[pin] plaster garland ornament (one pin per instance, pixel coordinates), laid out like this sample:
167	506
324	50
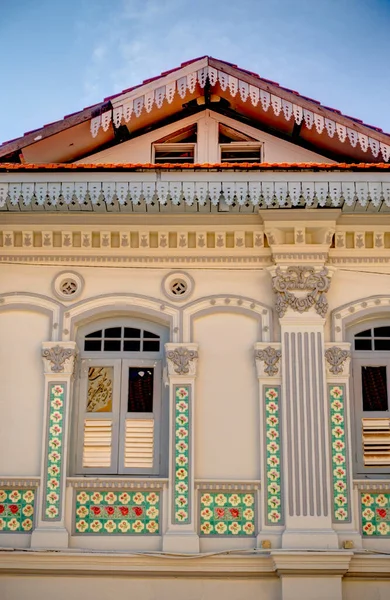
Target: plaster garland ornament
182	358
57	356
336	358
301	279
271	357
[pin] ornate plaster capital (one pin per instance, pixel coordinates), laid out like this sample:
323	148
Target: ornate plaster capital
337	359
267	359
310	285
182	359
59	357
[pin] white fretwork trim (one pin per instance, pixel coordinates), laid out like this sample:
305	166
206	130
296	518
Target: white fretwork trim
265	193
133	107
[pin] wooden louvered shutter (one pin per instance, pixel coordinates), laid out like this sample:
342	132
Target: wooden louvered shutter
140	417
376	441
99	416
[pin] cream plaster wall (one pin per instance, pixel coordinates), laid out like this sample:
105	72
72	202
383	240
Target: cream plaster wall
360	589
139	150
226	428
21	395
106	588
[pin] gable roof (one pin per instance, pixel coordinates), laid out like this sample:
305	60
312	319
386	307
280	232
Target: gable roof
195	85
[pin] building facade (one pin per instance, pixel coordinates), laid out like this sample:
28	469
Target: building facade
195	337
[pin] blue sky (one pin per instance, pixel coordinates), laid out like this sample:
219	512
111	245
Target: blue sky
61	56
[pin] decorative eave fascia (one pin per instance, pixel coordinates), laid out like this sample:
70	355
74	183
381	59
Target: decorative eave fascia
259	93
249	87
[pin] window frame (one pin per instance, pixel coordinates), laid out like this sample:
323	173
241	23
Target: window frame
366	358
120	360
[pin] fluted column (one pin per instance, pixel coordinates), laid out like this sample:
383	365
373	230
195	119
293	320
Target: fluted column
58	362
181	535
301	305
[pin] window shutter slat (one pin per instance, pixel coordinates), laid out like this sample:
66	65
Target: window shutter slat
97	447
376	441
139	443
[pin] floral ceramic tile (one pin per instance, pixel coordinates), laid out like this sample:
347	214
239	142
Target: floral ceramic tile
227	513
16	510
341	509
117	512
375	511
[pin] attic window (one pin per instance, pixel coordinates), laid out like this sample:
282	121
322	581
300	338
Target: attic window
177	147
237	147
174	153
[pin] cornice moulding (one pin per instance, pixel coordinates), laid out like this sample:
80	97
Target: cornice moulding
87	564
267	564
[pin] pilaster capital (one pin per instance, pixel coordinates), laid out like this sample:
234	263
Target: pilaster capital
267	359
301	288
58	357
182	359
337	359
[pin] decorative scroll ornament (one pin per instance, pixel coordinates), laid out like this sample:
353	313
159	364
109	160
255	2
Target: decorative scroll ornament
182	359
270	356
300	279
336	358
57	356
249	93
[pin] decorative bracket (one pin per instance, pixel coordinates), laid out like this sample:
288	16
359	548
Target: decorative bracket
267	360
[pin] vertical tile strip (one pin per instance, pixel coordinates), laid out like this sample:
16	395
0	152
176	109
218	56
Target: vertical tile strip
273	494
340	492
51	510
181	512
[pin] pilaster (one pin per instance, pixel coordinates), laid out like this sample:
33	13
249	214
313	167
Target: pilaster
302	305
58	363
300	280
345	521
269	374
181	535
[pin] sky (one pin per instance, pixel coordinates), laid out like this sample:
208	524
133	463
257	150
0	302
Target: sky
60	56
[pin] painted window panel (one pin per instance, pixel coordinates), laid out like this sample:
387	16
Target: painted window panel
100	387
374	388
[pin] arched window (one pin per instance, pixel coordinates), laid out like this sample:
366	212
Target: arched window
371	389
120	398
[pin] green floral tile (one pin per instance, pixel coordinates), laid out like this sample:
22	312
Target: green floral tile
375	513
341	509
227	513
53	474
182	449
273	494
118	512
16	510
